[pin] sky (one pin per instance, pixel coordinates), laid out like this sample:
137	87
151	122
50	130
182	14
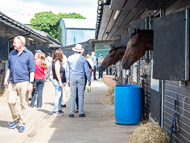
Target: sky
86	8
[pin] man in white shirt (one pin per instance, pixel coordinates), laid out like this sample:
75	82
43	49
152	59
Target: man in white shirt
48	61
64	62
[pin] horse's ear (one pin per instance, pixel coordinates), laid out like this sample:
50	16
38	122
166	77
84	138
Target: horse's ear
111	46
134	30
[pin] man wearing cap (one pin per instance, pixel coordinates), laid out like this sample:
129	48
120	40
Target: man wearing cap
36	53
93	57
100	60
20	72
77	68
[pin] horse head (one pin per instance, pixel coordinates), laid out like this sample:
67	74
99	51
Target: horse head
140	41
114	54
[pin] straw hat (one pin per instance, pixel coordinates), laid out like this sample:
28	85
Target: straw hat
78	48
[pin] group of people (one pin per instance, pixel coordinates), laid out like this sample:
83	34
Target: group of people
27	73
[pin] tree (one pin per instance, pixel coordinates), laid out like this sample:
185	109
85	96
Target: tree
49	22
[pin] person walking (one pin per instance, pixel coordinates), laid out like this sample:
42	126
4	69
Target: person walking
77	68
20	72
40	71
100	60
58	80
93	57
64	63
48	62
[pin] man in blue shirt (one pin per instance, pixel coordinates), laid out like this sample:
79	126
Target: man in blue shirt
77	68
20	72
93	57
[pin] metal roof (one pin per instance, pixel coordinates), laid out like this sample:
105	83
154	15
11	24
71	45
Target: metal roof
79	23
114	16
19	26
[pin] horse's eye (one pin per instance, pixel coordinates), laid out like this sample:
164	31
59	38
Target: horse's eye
110	50
133	45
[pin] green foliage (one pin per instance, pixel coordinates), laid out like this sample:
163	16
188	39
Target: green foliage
59	34
71	15
49	22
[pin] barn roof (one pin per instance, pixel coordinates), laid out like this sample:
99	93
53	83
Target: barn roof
79	23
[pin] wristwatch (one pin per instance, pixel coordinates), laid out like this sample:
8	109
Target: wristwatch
31	82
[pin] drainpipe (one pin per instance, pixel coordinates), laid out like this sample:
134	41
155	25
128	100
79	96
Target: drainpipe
162	105
162	102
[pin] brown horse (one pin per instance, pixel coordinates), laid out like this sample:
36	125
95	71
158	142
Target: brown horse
114	54
140	41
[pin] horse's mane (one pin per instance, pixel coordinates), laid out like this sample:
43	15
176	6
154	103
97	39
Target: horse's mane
141	32
122	46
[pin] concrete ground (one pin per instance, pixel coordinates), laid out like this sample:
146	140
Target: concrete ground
42	127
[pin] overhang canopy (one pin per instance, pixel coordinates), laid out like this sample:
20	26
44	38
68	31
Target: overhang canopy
114	19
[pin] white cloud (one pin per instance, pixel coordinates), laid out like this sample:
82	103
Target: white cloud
19	6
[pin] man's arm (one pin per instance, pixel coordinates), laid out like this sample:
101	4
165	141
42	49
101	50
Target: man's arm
87	71
6	77
31	68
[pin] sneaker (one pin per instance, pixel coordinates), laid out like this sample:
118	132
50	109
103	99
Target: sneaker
13	125
63	105
82	115
57	113
21	129
61	112
71	115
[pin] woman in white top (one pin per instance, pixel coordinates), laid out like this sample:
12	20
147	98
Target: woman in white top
89	60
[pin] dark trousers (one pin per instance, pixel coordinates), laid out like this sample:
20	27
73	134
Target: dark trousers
38	90
100	72
94	71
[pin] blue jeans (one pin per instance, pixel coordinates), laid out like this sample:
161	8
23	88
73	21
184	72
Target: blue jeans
77	82
38	90
58	95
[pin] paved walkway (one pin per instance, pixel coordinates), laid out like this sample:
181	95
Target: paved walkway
42	127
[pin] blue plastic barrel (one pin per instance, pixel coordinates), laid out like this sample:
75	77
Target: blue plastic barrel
128	104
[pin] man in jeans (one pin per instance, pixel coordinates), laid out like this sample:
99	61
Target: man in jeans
20	72
93	57
77	68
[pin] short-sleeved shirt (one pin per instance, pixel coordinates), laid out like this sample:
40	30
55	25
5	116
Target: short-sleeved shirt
99	59
39	74
93	59
21	66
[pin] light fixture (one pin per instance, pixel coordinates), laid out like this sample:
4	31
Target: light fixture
30	39
106	35
116	14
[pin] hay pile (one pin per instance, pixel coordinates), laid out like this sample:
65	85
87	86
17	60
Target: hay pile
149	133
110	93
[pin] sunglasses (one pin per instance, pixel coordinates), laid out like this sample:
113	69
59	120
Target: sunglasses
20	39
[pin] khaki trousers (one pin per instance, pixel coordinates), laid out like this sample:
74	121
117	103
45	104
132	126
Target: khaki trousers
16	90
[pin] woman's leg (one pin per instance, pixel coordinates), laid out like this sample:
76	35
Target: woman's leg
58	91
60	99
40	91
